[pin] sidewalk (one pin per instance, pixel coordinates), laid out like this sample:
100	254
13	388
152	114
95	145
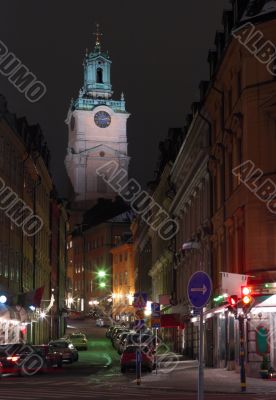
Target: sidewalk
184	378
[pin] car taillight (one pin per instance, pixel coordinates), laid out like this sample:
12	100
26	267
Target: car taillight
14	358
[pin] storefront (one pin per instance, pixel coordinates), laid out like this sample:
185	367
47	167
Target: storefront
14	323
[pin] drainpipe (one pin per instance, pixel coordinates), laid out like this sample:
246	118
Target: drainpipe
22	234
211	210
34	239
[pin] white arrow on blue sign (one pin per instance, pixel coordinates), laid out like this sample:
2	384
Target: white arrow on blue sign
199	289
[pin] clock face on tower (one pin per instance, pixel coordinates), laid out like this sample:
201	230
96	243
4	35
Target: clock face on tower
102	119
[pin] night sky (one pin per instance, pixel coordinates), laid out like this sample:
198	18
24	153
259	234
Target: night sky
158	52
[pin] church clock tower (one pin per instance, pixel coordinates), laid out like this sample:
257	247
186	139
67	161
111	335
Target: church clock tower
97	127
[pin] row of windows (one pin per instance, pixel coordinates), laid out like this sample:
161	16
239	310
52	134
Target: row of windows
95	244
78	285
92	264
120	257
121	278
78	269
10	263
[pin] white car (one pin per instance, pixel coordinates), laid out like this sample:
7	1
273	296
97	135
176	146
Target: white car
100	322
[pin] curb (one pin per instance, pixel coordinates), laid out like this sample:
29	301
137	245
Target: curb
172	389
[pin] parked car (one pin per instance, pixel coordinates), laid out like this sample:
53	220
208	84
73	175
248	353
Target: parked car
116	333
117	330
21	359
146	340
123	340
110	330
92	314
128	358
100	322
79	340
64	346
79	315
52	357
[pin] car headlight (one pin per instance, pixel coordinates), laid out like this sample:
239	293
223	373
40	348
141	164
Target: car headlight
70	346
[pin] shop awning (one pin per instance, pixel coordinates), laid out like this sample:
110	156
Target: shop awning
265	303
171	321
16	313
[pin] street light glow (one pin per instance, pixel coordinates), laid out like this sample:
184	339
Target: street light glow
102	284
3	299
101	274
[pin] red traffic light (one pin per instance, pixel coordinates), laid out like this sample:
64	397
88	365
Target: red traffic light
233	300
246	290
246	295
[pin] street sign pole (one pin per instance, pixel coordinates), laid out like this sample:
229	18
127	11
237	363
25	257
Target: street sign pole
155	351
200	391
199	291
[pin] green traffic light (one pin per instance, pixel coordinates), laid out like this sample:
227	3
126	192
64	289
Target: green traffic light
101	274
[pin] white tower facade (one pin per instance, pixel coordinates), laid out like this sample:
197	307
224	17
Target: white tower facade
97	128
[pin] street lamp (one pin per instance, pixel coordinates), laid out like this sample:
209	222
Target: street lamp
3	299
43	314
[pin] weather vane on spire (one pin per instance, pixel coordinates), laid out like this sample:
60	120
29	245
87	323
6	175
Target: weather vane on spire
98	35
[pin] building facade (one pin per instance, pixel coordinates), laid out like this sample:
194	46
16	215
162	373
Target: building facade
103	227
25	264
238	104
123	281
191	206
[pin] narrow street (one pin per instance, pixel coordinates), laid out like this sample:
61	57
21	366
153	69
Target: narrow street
97	375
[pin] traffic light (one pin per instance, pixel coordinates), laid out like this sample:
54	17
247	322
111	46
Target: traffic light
102	278
101	274
246	297
233	300
233	303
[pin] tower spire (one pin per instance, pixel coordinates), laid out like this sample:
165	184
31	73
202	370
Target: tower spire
98	35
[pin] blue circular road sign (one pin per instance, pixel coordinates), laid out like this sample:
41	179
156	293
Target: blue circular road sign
199	289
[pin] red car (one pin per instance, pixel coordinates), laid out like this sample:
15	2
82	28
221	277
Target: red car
128	358
52	357
21	359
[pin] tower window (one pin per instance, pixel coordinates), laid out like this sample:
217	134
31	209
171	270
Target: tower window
99	75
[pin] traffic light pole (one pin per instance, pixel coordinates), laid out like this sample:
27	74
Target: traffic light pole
242	354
